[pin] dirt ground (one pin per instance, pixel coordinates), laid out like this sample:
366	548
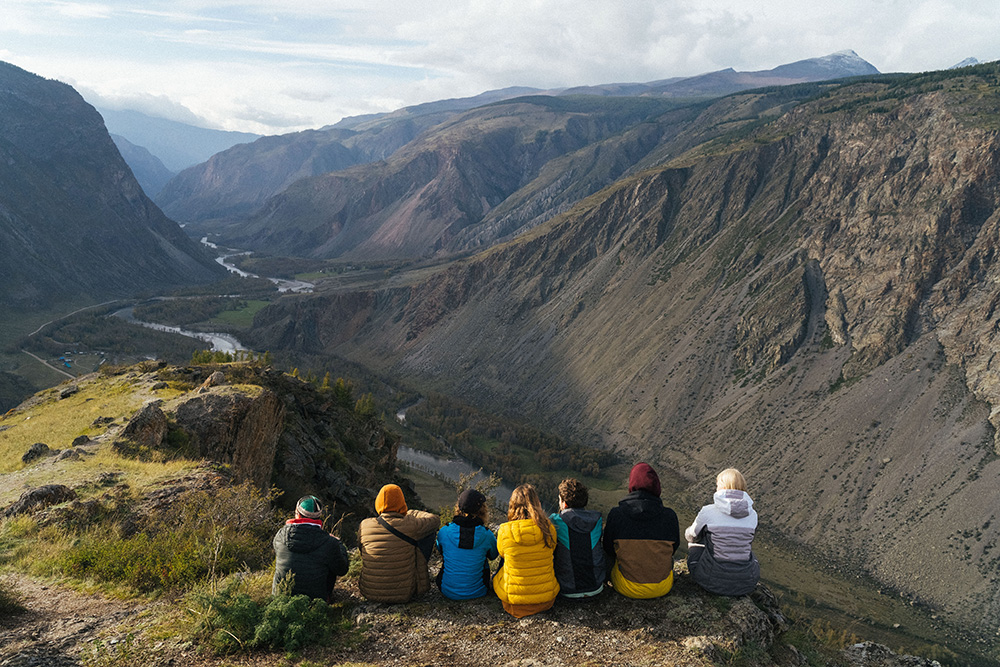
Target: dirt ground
57	625
62	627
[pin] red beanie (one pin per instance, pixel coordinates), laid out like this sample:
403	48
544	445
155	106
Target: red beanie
644	478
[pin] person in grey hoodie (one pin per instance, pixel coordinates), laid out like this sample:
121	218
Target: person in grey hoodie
313	557
720	558
580	564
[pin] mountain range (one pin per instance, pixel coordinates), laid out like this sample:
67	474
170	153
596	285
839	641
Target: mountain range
239	182
74	223
797	280
177	145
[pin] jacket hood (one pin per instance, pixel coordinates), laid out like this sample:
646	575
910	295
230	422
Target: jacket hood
526	532
736	504
641	506
303	538
580	520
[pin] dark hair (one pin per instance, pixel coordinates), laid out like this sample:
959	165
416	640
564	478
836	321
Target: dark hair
573	493
472	503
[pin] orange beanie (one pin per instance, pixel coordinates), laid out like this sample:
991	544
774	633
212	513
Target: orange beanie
390	499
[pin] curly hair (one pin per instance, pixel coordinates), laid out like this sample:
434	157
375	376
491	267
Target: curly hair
573	492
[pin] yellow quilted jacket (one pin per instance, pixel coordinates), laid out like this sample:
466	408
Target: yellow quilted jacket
527	575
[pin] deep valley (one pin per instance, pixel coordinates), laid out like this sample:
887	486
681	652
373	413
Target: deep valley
798	280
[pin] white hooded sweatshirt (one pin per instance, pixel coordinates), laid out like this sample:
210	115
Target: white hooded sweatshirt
731	520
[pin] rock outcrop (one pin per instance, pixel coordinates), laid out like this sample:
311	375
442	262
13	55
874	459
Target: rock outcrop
238	426
39	499
266	427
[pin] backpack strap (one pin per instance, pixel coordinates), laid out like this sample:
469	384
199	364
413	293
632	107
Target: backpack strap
405	538
424	545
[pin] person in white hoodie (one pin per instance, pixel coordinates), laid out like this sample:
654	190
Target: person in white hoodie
720	558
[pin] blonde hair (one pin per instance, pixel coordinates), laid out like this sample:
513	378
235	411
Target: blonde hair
525	504
731	478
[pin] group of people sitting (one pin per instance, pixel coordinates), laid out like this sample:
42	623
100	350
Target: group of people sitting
572	553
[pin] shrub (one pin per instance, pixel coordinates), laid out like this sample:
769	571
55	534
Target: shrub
231	620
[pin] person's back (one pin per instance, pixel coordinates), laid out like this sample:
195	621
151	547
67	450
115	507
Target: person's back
308	554
393	568
720	556
580	564
526	582
466	546
640	538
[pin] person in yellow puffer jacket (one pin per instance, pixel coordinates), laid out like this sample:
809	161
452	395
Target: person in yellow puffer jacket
526	581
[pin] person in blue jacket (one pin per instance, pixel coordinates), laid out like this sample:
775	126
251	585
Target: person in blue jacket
580	564
467	546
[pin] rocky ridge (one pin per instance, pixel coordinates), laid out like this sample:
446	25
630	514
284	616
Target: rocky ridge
263	426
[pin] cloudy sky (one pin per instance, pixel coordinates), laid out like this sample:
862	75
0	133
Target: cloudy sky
273	66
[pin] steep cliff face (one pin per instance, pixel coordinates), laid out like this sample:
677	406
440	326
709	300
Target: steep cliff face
812	300
73	220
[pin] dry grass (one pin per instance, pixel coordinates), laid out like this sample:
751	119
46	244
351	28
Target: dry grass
57	422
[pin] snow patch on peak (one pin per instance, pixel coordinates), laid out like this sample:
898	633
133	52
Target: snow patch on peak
968	62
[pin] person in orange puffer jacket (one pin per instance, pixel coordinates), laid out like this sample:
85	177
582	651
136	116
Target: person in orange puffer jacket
526	581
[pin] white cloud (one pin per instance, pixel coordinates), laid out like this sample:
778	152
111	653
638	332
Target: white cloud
256	65
81	10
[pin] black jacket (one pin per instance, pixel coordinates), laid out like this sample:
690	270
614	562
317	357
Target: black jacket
580	565
644	534
312	555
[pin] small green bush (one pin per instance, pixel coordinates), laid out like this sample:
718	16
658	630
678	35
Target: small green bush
230	620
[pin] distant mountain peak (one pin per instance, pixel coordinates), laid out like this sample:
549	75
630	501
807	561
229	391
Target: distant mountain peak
968	62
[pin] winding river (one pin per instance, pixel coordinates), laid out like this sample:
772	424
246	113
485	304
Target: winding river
220	342
283	284
451	468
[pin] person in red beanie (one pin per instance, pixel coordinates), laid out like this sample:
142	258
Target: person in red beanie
640	537
395	546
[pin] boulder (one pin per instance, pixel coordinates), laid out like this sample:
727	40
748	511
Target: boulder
214	380
144	432
40	498
36	451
